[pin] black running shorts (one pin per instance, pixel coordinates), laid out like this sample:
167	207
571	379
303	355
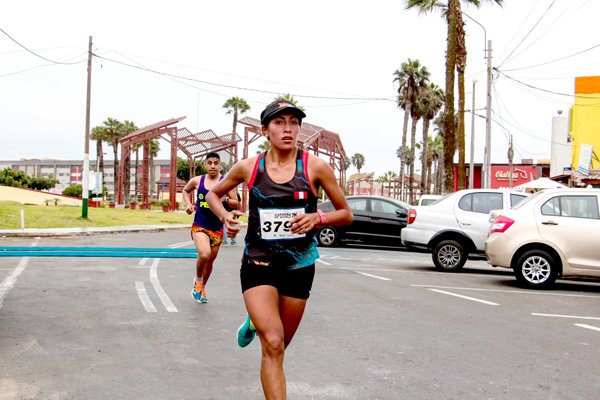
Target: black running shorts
294	283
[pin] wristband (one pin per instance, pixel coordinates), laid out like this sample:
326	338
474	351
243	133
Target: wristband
322	217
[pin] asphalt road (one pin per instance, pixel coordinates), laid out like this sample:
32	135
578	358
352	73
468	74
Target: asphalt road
380	324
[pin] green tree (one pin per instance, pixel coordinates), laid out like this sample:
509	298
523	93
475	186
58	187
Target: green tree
291	99
113	131
358	160
10	177
127	127
236	106
264	146
456	58
73	190
429	103
98	134
411	78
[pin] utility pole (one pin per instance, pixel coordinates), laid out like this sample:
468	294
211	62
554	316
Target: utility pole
86	155
488	120
510	162
471	162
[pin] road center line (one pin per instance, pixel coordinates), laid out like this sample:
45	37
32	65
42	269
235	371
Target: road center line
373	276
162	295
565	316
594	328
464	297
143	295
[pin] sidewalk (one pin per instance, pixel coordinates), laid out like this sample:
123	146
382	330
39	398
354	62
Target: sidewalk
88	230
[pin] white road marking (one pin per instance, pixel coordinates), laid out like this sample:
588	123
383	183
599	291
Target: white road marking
594	328
464	297
373	276
182	244
143	295
538	293
143	261
323	262
162	295
565	316
9	282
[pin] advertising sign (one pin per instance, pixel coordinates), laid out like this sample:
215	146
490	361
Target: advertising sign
500	178
585	158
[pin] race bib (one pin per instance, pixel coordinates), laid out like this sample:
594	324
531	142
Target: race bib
275	223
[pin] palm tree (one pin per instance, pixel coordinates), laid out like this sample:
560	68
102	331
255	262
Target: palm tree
389	177
290	98
236	106
127	127
430	104
112	133
411	78
403	153
154	149
456	57
264	146
381	179
98	134
358	160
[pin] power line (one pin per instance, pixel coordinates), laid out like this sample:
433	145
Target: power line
35	54
239	87
527	34
555	60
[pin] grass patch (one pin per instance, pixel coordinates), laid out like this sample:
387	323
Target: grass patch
37	216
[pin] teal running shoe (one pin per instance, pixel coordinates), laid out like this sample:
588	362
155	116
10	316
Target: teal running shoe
246	333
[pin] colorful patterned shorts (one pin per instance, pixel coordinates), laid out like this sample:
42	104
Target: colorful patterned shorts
215	237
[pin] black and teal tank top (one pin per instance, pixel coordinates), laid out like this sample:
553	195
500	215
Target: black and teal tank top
204	217
271	207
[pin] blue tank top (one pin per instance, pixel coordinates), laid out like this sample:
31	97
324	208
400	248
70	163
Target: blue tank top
204	217
271	206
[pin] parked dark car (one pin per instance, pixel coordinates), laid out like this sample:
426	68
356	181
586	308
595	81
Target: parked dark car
377	220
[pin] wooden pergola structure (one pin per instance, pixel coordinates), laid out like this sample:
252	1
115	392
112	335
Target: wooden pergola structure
312	138
193	145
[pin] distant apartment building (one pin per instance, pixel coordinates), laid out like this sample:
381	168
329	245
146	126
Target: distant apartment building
70	172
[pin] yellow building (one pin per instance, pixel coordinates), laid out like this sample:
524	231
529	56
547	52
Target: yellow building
585	124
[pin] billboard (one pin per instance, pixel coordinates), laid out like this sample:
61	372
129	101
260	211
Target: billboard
500	178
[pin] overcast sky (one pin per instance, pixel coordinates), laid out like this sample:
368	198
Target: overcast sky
336	57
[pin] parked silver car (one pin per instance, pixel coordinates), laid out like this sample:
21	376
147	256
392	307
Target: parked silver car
555	232
456	226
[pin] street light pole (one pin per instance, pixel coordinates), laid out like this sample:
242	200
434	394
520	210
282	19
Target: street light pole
471	162
488	119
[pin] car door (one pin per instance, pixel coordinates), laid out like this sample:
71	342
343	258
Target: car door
472	214
572	224
387	219
361	224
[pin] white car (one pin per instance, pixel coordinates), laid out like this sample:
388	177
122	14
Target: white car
555	232
427	199
456	226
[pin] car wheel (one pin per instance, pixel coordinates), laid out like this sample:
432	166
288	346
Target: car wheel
536	269
327	236
449	255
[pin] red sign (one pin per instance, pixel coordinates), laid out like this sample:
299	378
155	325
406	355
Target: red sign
500	178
